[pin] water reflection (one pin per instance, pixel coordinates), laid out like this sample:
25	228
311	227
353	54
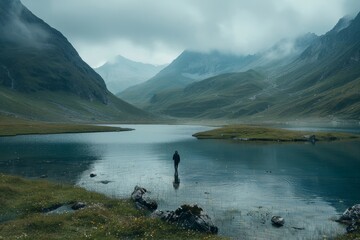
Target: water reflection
239	184
176	182
35	156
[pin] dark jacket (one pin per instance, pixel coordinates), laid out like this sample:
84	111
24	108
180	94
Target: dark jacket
176	158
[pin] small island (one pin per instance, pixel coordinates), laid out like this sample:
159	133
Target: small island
267	134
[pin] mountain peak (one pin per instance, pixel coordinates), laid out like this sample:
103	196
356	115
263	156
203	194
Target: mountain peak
54	66
343	23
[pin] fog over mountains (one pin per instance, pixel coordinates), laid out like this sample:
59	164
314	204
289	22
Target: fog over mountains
42	77
121	73
311	77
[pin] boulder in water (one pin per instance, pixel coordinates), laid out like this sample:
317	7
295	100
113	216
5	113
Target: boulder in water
351	217
277	221
351	214
142	201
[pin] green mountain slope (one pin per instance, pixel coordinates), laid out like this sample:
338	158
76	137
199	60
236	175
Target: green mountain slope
213	97
187	68
42	76
326	82
322	83
191	67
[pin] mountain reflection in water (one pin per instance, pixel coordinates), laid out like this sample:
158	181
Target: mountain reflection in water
240	185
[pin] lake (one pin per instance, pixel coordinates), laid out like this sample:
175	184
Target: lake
240	185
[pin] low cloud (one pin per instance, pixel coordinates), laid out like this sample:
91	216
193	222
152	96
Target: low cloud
18	30
157	31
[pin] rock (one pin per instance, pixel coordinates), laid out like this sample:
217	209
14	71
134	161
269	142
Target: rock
351	214
92	175
277	221
354	227
312	139
351	217
105	181
190	217
78	205
142	201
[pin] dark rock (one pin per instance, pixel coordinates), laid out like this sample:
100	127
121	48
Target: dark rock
93	175
351	217
78	205
277	221
312	139
142	201
351	214
105	181
190	217
298	228
354	227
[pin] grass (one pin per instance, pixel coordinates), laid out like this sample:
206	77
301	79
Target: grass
22	203
12	126
349	236
257	133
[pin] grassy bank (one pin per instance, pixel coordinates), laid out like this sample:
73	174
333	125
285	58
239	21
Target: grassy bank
13	126
22	204
257	133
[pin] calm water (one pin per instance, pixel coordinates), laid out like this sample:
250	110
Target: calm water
240	185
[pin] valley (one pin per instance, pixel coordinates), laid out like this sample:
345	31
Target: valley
265	126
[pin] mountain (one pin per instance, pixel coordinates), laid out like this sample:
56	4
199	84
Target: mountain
42	76
122	73
320	82
192	66
214	97
187	68
325	79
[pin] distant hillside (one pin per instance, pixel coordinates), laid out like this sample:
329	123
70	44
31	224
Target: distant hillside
325	80
190	67
121	73
42	76
215	97
322	82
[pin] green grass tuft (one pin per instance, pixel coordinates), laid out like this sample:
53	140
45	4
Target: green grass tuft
103	218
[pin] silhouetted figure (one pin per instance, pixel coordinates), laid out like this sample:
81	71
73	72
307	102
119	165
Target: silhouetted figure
176	158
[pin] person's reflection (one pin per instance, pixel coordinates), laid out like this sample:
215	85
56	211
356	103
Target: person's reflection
176	182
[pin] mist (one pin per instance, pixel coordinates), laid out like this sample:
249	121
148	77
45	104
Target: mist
157	31
16	29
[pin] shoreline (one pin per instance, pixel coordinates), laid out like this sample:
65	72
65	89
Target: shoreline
36	128
28	209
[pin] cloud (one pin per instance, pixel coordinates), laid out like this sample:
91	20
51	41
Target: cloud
159	30
15	29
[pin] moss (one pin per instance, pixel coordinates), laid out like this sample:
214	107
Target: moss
103	218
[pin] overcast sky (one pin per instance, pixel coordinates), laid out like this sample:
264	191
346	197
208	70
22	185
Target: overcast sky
158	31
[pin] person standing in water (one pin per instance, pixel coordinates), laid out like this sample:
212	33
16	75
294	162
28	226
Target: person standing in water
176	158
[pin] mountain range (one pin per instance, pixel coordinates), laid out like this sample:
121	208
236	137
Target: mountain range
192	66
310	77
42	77
122	73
